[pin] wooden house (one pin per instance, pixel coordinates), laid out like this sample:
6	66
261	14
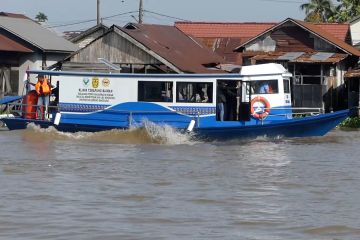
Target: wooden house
144	48
317	54
83	38
317	59
26	44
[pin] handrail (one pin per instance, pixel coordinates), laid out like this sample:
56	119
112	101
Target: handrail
196	116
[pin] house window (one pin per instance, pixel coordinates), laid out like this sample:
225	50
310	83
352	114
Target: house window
154	91
194	92
265	87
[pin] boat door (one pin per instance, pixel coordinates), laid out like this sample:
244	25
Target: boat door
232	100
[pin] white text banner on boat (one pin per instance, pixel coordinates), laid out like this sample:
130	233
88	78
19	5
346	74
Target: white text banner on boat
94	90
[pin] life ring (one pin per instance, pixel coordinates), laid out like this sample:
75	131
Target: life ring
264	109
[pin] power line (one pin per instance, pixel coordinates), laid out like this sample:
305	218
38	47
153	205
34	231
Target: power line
91	20
116	15
163	15
70	24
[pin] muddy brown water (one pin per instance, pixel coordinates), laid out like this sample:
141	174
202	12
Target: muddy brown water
160	184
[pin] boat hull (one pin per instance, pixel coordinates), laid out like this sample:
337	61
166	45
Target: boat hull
301	127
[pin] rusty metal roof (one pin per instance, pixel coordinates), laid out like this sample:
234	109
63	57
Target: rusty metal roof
222	29
247	30
304	58
13	15
316	30
9	45
184	52
354	73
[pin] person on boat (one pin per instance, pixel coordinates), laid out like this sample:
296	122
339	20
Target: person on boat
43	89
266	88
221	102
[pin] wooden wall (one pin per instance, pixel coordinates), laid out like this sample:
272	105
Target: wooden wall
114	48
291	39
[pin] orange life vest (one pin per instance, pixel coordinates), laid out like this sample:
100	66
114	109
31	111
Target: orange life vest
46	90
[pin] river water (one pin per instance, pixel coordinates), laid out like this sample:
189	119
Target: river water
159	184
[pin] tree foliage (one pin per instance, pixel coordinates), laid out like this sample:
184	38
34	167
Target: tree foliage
325	11
41	17
317	10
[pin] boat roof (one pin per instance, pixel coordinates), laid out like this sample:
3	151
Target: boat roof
246	71
266	69
133	75
9	99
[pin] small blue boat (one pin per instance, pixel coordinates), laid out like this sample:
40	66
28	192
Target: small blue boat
256	102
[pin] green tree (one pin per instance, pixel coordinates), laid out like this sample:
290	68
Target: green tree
318	10
346	10
41	17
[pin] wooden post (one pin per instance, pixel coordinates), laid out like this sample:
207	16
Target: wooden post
98	12
141	10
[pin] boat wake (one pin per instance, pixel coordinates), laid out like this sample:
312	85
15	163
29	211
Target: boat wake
150	133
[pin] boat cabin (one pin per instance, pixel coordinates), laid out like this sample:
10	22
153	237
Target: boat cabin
258	92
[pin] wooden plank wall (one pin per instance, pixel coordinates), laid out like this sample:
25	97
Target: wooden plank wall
294	39
114	48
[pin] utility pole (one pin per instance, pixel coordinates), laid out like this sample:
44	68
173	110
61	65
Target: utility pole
98	12
141	12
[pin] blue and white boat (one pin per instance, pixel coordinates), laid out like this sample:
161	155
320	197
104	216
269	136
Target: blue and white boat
255	102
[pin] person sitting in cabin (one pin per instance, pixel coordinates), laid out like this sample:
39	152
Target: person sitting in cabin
43	90
265	88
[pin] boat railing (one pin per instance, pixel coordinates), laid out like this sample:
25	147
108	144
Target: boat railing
21	109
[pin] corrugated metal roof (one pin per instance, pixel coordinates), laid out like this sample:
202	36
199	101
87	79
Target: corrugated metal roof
8	45
329	37
321	56
250	29
290	55
36	35
13	15
219	30
184	52
314	30
304	58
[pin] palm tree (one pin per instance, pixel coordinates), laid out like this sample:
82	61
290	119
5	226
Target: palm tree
317	10
41	17
346	10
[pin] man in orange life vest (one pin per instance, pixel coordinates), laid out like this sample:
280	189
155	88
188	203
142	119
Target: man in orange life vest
43	89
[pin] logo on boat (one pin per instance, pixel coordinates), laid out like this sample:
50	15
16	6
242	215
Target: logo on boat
86	82
95	82
106	82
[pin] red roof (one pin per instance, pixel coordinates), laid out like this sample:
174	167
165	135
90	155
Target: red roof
314	29
219	30
339	30
8	45
175	46
248	30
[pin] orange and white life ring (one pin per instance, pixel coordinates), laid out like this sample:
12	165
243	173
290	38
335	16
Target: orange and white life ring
260	107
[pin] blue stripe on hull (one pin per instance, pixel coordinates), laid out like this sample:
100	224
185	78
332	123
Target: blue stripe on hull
303	127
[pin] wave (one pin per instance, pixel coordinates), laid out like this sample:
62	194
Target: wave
150	133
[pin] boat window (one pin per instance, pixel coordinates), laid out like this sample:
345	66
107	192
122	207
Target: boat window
155	91
265	87
194	92
286	86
